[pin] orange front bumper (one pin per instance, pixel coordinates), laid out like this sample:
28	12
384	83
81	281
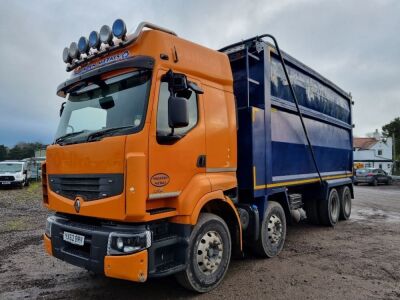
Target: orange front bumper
47	245
131	267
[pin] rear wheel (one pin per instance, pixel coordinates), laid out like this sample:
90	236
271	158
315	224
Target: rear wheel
375	182
329	209
209	254
389	181
273	231
345	203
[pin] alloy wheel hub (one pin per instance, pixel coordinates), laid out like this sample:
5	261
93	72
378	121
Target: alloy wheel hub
209	252
274	229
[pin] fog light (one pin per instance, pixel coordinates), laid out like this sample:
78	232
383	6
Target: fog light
127	243
119	29
106	35
94	40
73	50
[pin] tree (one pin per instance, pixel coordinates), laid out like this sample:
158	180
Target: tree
3	152
24	150
393	129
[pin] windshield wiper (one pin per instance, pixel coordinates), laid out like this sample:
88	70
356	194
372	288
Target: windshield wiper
101	133
68	135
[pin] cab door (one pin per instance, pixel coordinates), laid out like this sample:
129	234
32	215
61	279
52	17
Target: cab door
173	162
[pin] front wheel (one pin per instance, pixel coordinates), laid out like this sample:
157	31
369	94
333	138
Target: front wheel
209	254
273	231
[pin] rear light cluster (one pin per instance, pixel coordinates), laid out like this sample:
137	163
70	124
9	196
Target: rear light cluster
44	184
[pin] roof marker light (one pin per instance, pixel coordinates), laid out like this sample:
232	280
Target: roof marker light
65	55
73	50
106	35
94	40
83	45
119	29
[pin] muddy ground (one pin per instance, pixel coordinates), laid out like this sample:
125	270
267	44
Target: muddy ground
359	259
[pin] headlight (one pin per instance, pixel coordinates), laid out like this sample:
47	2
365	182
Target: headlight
126	243
49	223
18	176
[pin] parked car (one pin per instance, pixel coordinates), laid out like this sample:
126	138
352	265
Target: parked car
372	176
14	173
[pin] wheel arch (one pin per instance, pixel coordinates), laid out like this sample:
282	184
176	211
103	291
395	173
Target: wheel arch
281	197
223	207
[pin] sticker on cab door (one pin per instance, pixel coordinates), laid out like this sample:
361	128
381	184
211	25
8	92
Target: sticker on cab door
159	180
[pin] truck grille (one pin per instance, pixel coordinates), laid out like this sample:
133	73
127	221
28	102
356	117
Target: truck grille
89	187
7	178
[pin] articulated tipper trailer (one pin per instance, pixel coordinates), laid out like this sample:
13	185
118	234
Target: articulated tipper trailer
171	157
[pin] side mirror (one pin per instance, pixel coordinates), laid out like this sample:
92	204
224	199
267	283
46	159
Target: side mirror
62	108
178	115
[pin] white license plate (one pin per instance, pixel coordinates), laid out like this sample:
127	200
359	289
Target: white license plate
5	182
73	238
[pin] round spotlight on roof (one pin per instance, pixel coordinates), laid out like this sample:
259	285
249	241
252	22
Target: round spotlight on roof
119	28
73	50
83	45
106	35
66	57
94	40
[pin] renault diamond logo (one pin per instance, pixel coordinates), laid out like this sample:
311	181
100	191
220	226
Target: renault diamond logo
77	204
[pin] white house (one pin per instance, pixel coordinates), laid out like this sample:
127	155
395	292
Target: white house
373	152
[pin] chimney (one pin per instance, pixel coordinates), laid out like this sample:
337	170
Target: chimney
377	135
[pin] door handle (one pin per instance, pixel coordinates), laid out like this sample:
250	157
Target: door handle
201	161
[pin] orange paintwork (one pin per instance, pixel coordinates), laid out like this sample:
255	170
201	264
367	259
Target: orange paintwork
220	128
130	267
139	156
47	245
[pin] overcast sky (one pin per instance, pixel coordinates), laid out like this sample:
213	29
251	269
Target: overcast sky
355	44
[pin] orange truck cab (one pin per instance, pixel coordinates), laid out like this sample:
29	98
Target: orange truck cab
142	176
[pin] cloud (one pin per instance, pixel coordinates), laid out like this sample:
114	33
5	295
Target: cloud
355	44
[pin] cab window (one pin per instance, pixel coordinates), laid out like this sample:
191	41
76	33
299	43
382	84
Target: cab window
163	128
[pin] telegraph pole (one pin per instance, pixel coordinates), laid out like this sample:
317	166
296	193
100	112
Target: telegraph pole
394	155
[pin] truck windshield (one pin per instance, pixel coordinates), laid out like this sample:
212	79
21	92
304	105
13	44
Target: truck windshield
103	106
10	168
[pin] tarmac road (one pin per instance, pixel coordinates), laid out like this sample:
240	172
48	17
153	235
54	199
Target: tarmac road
359	259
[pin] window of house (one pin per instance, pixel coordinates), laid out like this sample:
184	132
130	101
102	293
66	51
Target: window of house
379	152
163	128
380	166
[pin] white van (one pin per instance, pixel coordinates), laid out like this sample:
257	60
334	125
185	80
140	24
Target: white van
14	173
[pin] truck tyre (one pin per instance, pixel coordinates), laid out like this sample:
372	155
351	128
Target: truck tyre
273	231
345	203
26	182
311	208
208	256
329	209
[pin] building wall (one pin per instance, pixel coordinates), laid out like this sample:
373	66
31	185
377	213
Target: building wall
378	156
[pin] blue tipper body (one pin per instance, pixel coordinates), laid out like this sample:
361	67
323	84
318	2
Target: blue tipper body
273	154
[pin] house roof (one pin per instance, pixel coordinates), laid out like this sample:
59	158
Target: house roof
364	143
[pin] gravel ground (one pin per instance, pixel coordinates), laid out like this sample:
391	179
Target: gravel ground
359	259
